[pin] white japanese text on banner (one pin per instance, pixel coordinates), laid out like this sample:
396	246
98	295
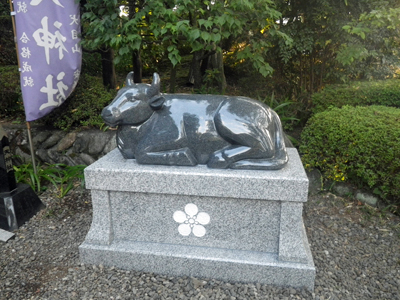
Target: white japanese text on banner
49	53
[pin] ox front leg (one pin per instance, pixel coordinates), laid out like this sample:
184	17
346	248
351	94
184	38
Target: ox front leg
179	157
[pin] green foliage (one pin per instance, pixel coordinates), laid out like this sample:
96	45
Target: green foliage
372	47
61	176
356	144
10	92
67	178
380	92
204	25
210	82
83	107
104	26
8	54
177	24
334	42
25	174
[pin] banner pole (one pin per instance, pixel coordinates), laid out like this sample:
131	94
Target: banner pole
12	12
28	125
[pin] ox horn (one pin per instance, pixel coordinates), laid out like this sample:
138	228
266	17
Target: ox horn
129	79
155	86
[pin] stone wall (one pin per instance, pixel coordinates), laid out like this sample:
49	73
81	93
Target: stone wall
81	147
52	146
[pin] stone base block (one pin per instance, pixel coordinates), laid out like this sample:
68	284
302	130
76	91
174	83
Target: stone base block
233	225
201	262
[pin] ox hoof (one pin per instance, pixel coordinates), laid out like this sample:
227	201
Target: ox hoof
217	161
183	157
127	154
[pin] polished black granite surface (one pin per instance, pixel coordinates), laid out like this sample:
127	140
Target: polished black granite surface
7	178
185	130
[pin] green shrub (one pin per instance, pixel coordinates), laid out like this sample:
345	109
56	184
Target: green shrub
83	107
10	91
61	176
380	92
356	144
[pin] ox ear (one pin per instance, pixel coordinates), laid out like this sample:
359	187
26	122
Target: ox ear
129	79
155	86
157	102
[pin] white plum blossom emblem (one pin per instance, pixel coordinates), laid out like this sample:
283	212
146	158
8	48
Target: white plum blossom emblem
191	220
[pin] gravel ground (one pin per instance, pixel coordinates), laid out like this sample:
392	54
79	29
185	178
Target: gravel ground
356	251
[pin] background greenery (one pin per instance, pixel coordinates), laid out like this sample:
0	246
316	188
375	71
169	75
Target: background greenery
10	91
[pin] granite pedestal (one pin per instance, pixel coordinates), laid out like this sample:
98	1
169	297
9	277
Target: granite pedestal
233	225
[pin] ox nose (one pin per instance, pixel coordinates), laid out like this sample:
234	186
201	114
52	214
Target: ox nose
109	115
116	112
106	113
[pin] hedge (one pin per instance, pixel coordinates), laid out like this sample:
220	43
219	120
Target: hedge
356	144
361	93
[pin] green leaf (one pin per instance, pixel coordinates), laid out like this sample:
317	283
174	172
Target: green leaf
220	20
182	25
196	46
225	34
123	50
215	37
205	36
208	24
194	34
174	57
201	22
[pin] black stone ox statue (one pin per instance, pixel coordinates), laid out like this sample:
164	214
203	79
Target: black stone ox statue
186	130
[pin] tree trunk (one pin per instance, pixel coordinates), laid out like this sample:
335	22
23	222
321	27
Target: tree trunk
108	68
137	67
172	80
322	70
219	65
311	73
301	73
195	76
205	63
136	59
